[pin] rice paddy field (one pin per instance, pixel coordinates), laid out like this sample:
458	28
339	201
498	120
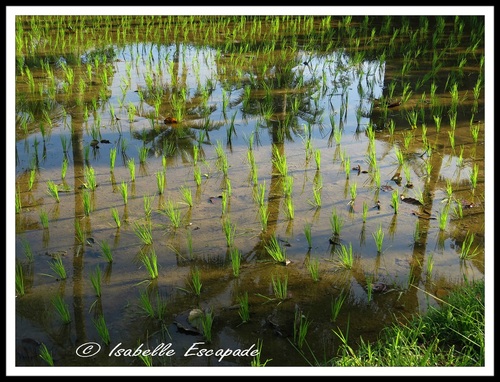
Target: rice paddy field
263	184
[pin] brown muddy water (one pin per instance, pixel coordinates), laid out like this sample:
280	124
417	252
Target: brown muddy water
175	98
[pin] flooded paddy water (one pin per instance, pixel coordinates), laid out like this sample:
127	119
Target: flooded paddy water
229	180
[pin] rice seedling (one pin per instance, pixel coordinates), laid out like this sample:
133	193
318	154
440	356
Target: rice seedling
147	201
336	306
173	213
44	219
256	362
195	282
460	157
300	327
87	203
228	189
62	309
259	195
274	248
244	311
263	216
279	161
19	280
416	232
365	211
79	232
336	222
131	111
451	134
18	201
53	190
146	304
430	267
116	217
474	130
316	200
57	265
354	193
131	169
378	236
313	268
280	287
307	233
437	122
473	177
197	175
150	262
124	192
347	167
160	182
207	320
229	231
345	256
467	252
106	251
144	232
395	200
443	217
317	158
458	210
369	287
412	118
146	358
102	329
428	168
31	179
112	158
399	155
91	182
187	195
95	279
143	154
46	355
235	256
64	168
287	186
28	252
